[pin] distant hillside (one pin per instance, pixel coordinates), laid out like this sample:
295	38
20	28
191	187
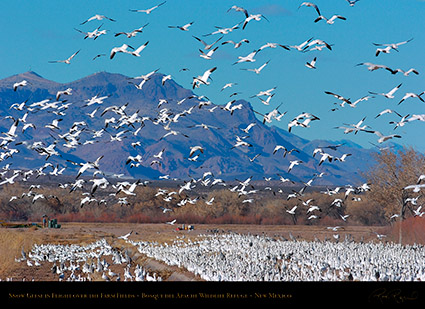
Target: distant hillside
84	136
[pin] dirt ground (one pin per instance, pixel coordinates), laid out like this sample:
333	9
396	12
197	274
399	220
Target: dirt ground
85	233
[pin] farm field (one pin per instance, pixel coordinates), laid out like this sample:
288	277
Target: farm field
154	247
14	240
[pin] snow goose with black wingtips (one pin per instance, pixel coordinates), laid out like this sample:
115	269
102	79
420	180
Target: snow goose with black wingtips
148	11
331	20
97	17
121	49
390	94
67	61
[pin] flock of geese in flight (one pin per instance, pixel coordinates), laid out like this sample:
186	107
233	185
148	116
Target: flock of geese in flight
303	120
229	257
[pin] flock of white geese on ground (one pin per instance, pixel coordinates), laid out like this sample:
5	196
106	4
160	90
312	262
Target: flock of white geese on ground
86	262
238	257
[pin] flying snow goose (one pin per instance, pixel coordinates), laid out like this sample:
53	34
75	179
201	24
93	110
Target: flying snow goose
311	64
98	183
383	138
343	157
184	27
257	70
393	45
238	9
331	20
256	17
240	142
406	73
325	156
222	30
310	4
164	79
159	154
277	148
92	34
390	94
266	101
20	84
95	100
67	91
293	163
236	44
302	46
373	67
228	85
273	45
207	46
54	125
318	42
148	11
121	49
247	58
9	180
416	187
97	17
208	55
137	52
132	33
352	2
401	122
387	111
355	127
203	80
412	95
364	98
171	222
87	165
194	149
385	50
248	127
67	61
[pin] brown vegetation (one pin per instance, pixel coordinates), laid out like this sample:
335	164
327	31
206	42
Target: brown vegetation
374	207
14	240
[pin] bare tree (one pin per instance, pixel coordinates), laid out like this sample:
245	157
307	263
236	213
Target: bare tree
388	178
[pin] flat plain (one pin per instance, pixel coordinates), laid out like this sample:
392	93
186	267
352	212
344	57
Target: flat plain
14	240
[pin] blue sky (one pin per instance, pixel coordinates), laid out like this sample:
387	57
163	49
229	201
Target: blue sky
35	32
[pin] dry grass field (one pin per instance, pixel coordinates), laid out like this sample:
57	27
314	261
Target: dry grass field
14	240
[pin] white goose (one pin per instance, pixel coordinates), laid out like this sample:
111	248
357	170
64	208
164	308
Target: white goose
67	61
331	20
236	44
148	11
137	52
20	84
97	17
121	49
310	4
208	55
184	27
390	94
257	70
247	58
202	80
311	64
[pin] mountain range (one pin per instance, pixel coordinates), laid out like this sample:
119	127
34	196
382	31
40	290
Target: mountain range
138	126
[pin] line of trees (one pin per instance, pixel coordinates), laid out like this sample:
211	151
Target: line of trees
384	204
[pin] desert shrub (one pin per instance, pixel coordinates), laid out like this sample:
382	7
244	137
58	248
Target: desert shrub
410	230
